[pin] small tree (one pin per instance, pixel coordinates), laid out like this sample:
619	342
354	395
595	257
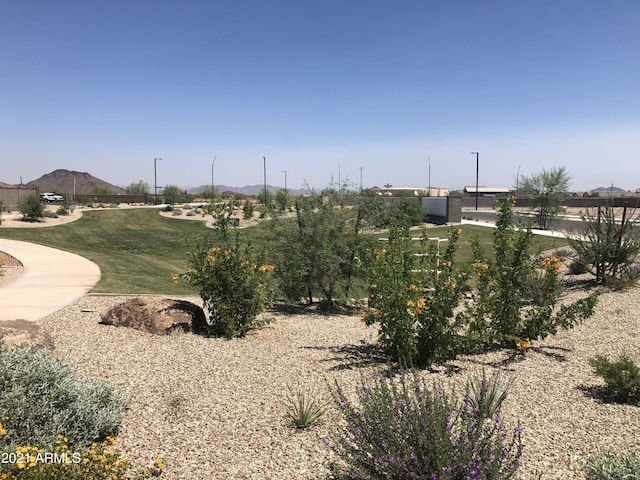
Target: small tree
609	245
284	200
31	208
547	189
247	209
138	188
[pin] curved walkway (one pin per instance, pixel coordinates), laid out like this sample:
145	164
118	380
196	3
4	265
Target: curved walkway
51	280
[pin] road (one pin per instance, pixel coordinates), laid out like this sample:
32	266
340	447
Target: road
563	224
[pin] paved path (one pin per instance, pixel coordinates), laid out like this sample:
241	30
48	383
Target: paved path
51	280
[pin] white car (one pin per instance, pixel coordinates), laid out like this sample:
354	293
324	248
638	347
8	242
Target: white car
51	197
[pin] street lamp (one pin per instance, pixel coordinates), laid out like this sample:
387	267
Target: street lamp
429	160
213	188
155	178
264	167
477	170
285	179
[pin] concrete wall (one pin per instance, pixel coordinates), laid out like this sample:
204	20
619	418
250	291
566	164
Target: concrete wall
443	209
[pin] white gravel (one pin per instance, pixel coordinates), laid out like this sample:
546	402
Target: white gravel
212	407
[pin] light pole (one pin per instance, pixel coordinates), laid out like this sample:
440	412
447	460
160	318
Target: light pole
155	179
213	188
518	179
429	160
361	168
477	170
285	179
264	167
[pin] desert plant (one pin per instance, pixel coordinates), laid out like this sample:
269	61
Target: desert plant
99	460
31	208
247	209
412	298
304	406
607	243
316	253
403	428
613	466
546	188
232	280
622	377
508	309
42	397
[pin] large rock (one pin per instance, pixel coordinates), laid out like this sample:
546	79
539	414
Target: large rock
157	315
24	333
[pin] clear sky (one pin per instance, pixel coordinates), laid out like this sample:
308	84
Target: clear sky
321	88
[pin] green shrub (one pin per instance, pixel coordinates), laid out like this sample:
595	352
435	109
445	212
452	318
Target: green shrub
622	378
613	466
49	214
232	281
247	209
42	397
406	429
578	267
31	208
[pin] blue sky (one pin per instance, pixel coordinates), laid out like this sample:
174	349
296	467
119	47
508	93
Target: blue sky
321	88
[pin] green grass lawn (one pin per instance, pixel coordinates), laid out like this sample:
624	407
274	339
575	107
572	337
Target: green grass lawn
137	250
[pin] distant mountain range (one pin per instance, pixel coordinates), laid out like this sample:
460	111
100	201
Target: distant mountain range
70	181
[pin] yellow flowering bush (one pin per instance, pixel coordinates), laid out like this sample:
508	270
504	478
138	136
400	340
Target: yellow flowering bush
412	299
101	461
518	295
233	282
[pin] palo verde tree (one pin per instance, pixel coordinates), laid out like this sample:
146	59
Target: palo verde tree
315	253
547	188
31	208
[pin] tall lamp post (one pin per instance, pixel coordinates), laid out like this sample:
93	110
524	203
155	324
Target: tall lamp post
155	179
429	160
477	170
285	179
213	188
264	168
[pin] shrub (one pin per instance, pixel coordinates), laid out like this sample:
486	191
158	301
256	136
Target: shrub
413	297
613	466
518	295
31	208
247	209
99	460
607	244
622	378
233	283
406	429
42	397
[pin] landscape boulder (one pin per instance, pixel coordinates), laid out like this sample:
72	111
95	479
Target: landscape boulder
157	315
24	333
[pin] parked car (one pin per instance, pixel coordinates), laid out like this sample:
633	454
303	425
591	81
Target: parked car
51	197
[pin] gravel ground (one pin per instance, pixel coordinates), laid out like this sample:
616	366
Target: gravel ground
10	268
212	407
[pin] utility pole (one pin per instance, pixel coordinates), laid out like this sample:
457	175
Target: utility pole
429	160
213	188
285	179
361	168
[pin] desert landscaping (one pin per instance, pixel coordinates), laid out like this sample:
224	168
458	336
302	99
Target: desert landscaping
213	408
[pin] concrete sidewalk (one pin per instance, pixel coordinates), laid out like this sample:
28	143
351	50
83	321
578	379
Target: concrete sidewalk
51	280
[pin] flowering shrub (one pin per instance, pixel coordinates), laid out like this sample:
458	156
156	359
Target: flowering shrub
99	461
517	294
232	283
406	429
413	298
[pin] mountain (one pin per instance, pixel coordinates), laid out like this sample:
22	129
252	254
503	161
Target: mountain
69	181
609	189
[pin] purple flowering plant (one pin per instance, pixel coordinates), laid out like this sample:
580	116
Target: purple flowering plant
402	428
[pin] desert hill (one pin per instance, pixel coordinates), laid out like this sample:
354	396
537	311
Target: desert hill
69	181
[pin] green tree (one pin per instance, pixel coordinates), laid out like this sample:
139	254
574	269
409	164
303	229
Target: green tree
609	241
247	209
172	194
283	200
316	252
31	208
547	189
209	192
138	188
